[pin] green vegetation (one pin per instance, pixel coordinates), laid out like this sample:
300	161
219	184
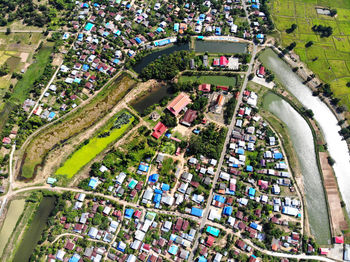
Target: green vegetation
71	125
166	67
209	142
328	57
210	79
90	149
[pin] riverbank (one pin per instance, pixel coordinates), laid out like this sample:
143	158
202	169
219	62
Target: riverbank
324	121
304	73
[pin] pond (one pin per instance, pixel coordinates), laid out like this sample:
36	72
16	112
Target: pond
154	55
151	98
220	47
14	212
303	144
33	233
327	121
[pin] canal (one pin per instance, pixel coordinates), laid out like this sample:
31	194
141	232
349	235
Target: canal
33	234
220	47
156	54
322	114
303	144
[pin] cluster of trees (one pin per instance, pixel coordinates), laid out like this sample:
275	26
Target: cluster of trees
229	109
291	29
166	67
345	132
4	70
208	142
324	31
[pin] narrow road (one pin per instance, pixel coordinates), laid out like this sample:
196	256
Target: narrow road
4	199
223	153
45	90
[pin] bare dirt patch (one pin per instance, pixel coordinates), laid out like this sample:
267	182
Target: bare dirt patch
337	218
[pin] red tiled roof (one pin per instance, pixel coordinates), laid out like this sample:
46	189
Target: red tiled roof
204	87
179	103
189	117
159	130
223	61
210	241
262	71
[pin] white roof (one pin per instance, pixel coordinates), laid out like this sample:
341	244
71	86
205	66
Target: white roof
93	232
103	169
214	214
107	210
60	254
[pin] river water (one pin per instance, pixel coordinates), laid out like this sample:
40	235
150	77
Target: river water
323	115
303	144
33	233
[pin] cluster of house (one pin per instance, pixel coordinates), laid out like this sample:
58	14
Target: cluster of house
129	232
237	191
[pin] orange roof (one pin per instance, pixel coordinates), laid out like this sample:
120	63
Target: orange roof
179	103
220	100
274	247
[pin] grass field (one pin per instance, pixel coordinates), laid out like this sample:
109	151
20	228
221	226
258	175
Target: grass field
329	58
211	79
75	123
95	146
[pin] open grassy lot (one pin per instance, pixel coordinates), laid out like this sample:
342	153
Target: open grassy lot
75	123
211	79
328	57
95	146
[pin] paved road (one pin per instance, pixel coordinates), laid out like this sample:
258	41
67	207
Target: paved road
223	153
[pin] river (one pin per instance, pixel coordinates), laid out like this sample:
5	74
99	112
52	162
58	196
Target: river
154	55
322	114
303	144
33	233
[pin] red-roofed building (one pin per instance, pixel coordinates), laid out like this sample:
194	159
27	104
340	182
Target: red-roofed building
223	61
159	130
210	241
261	72
137	214
189	117
6	140
339	240
223	88
179	103
205	88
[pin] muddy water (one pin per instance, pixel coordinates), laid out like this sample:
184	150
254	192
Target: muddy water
303	144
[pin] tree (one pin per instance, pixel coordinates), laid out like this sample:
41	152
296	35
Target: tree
291	29
333	12
8	31
309	44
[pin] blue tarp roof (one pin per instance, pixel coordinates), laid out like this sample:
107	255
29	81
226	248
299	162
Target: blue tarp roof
158	191
240	151
176	27
202	259
116	61
138	40
249	168
196	212
277	156
157	198
86	67
143	167
260	36
129	212
92	183
255	6
173	249
251	192
89	26
165	187
227	211
219	198
253	225
213	231
52	115
74	258
153	178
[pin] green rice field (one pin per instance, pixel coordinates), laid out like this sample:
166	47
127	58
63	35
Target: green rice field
211	79
328	57
95	145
